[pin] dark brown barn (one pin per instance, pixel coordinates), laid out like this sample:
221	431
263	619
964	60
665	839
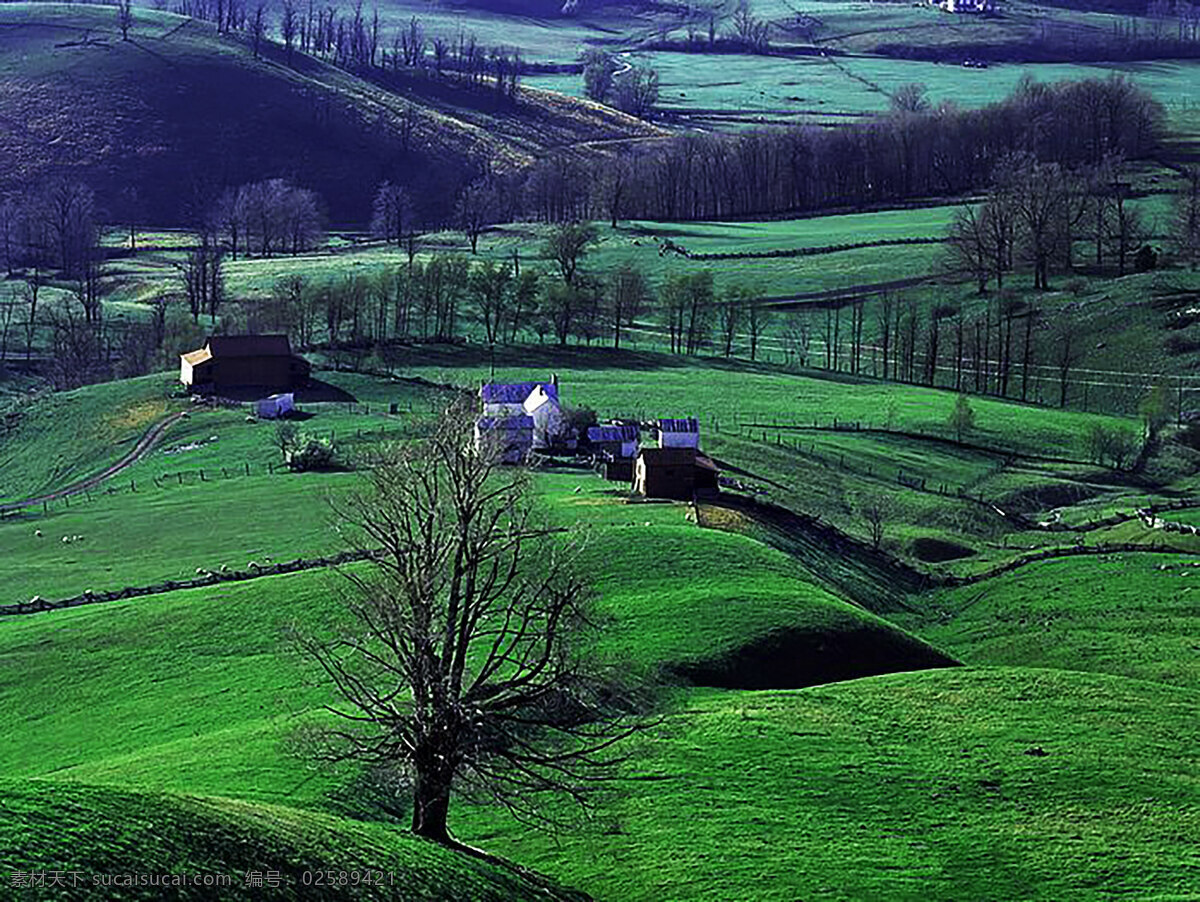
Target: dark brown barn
229	362
677	473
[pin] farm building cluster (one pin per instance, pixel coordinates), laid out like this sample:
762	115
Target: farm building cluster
658	458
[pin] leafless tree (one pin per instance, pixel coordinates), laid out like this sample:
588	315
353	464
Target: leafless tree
460	669
258	29
967	246
124	17
568	244
476	209
629	295
1068	354
758	318
391	213
8	313
1187	219
491	285
289	25
730	313
875	511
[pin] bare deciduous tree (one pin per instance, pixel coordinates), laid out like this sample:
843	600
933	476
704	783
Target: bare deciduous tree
461	669
124	17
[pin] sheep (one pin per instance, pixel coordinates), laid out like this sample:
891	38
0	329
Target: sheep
66	540
224	568
37	533
253	565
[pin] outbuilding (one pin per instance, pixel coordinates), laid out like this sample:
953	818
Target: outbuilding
678	473
679	433
232	362
614	441
276	406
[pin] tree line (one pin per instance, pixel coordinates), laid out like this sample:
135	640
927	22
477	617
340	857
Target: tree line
357	40
914	150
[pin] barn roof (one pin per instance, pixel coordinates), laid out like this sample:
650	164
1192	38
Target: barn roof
514	392
195	358
612	433
509	424
249	346
668	457
689	424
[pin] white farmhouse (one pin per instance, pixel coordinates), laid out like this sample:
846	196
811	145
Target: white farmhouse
537	400
508	437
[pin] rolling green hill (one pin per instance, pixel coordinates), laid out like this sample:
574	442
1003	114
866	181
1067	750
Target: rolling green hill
111	844
990	784
811	748
179	111
1129	615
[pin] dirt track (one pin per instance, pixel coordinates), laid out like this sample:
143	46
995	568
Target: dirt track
140	450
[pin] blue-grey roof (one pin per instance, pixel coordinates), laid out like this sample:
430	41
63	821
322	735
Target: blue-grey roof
487	424
690	424
514	392
612	433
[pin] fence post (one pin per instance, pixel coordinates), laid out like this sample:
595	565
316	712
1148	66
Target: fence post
247	468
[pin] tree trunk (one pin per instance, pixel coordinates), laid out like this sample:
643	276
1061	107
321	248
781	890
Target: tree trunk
431	807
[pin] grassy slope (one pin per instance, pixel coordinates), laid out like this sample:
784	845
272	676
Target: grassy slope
245	119
68	436
199	687
103	831
908	786
1123	615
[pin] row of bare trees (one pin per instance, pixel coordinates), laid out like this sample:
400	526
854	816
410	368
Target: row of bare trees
358	40
917	150
266	218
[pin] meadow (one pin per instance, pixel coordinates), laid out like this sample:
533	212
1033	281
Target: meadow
173	699
838	720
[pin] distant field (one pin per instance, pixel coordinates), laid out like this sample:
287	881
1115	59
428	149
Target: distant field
827	89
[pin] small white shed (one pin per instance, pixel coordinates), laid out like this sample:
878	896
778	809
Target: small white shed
275	406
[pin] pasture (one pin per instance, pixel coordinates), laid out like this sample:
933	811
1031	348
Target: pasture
200	692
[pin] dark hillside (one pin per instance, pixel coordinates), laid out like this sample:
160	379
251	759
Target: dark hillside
92	834
178	112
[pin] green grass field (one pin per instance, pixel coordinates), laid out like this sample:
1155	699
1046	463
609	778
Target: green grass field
906	786
1126	615
836	722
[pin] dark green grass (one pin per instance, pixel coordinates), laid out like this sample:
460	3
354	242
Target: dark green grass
908	786
102	839
1129	615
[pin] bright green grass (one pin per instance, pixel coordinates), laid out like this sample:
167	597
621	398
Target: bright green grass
908	786
1120	614
194	690
102	835
68	436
